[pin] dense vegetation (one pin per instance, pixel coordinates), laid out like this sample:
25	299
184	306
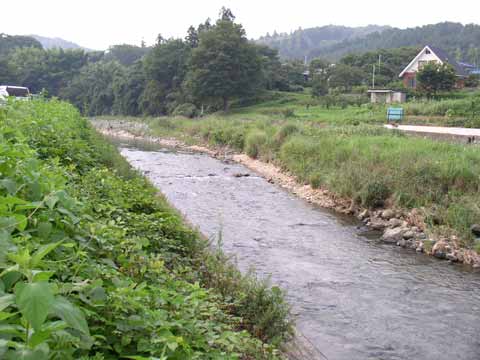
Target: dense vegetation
366	163
94	265
184	76
300	43
333	43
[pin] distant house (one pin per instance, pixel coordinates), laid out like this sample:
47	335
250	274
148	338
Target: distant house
433	54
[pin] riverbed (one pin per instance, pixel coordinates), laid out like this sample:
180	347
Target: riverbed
353	297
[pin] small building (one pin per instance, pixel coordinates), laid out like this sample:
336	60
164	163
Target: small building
386	96
433	54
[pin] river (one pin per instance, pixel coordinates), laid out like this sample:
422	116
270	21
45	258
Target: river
354	298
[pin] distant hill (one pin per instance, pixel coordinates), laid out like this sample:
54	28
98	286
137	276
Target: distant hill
10	42
304	42
50	43
334	42
462	41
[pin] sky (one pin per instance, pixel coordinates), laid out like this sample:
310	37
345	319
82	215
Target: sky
96	24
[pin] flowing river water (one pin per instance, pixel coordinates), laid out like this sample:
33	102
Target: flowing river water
354	298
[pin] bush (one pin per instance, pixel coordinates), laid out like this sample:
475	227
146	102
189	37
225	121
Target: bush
315	180
254	143
375	194
288	113
284	132
187	110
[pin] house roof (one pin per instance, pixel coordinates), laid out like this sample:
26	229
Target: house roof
444	57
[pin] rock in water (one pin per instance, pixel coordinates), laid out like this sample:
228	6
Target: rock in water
388	214
393	235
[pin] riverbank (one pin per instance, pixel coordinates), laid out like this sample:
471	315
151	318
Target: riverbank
98	263
404	227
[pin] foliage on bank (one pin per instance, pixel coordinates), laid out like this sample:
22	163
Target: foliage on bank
94	265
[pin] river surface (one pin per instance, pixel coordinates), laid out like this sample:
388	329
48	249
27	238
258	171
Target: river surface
354	298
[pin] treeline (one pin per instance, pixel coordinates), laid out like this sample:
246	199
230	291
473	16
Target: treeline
334	42
301	42
462	41
212	66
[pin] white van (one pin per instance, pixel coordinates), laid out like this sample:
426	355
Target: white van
19	92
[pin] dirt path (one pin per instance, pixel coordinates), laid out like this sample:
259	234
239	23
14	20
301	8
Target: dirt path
454	131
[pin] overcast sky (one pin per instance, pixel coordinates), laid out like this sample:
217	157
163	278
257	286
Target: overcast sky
97	24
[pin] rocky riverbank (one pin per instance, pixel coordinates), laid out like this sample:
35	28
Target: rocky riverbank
401	227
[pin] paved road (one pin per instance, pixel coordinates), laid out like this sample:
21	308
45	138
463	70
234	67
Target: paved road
437	130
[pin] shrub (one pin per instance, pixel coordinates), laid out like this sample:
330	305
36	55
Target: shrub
375	193
316	180
187	110
284	132
254	143
288	113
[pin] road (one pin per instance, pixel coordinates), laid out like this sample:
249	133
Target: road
437	130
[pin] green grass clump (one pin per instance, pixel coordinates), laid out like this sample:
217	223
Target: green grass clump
94	265
254	143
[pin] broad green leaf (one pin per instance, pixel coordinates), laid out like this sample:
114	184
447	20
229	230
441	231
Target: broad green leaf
37	337
10	276
9	185
71	314
21	258
8	223
6	300
42	275
34	301
10	329
5	245
21	221
39	353
42	252
51	200
44	229
5	315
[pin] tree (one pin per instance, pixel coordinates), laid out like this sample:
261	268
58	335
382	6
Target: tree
344	77
126	54
319	86
474	55
165	67
435	77
92	90
224	65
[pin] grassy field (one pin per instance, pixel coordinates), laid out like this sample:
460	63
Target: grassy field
95	265
462	110
354	158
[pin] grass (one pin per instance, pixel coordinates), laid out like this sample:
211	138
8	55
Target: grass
95	265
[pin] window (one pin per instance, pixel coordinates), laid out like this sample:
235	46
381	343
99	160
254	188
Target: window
427	51
421	64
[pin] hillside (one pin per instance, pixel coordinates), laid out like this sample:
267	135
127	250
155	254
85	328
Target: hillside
303	42
334	42
10	42
50	43
461	40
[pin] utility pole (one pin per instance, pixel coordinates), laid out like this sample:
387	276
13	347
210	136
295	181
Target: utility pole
373	77
379	62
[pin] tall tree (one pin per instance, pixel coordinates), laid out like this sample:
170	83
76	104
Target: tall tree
165	68
434	77
224	65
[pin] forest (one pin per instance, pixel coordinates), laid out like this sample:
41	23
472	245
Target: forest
333	42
